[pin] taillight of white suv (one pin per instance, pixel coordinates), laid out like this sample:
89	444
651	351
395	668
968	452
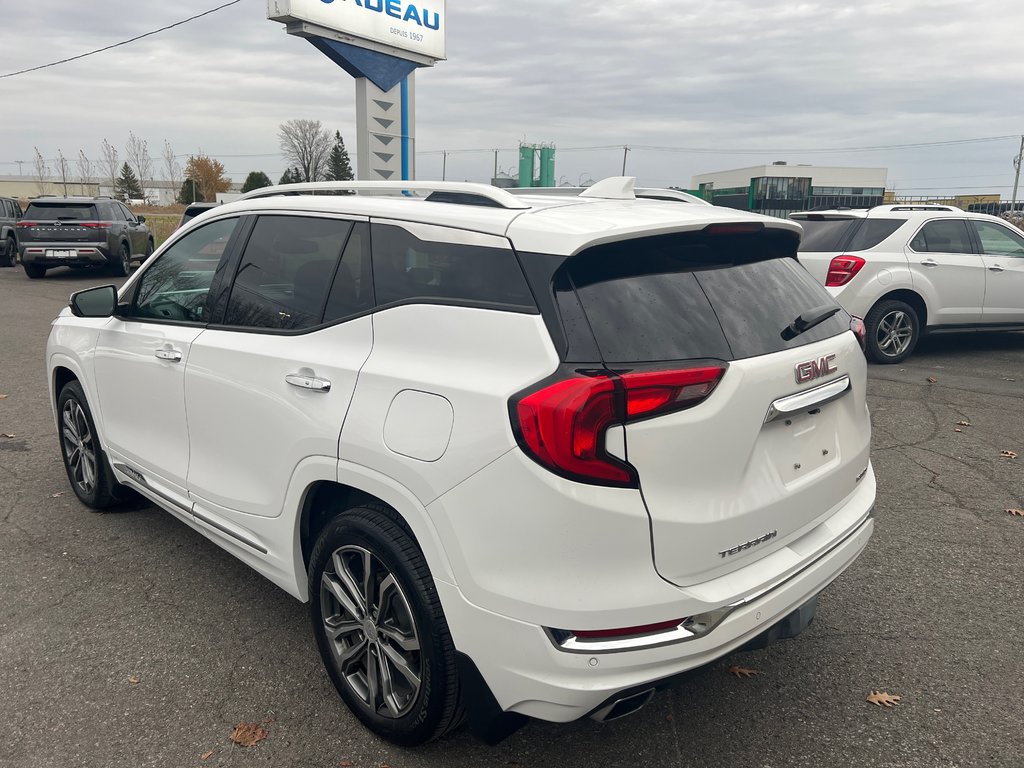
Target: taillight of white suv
563	425
842	270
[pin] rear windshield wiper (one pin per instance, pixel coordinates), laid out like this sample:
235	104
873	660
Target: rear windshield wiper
808	320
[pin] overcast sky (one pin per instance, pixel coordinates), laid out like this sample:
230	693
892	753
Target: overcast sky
744	81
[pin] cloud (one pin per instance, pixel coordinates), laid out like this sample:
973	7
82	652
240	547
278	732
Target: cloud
644	73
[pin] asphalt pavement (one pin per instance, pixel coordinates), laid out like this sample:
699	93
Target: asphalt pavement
127	639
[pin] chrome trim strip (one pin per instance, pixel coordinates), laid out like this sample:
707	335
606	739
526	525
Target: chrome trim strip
812	398
140	479
572	645
233	534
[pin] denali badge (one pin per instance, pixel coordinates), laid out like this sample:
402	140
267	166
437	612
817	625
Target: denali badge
752	543
814	369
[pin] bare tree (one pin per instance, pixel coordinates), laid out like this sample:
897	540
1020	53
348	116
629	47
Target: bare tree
137	153
307	145
84	170
110	164
63	170
172	168
42	171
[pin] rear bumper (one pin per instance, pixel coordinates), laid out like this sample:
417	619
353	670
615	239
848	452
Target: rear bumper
46	254
527	674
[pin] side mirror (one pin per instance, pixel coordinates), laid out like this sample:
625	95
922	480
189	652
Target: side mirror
142	219
94	302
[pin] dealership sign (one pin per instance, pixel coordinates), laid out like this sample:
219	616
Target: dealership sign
417	26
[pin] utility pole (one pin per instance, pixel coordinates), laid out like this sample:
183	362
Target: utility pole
1017	161
625	154
444	164
20	163
495	176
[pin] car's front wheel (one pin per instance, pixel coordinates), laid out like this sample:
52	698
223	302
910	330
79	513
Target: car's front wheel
893	330
84	460
380	629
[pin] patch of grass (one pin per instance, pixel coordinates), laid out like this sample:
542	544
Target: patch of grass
161	225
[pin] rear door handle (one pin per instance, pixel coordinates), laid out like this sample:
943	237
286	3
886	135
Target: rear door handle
995	268
930	263
308	382
170	355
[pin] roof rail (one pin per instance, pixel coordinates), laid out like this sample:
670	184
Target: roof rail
453	191
919	207
646	193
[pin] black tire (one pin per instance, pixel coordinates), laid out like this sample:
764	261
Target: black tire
122	264
84	460
10	253
35	271
149	250
893	330
411	613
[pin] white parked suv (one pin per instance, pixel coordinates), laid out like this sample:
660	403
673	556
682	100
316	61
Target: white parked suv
525	456
915	269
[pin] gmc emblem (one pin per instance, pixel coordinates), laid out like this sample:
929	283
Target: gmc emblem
815	369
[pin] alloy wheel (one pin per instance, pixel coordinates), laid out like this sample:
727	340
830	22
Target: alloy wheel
79	446
895	332
371	631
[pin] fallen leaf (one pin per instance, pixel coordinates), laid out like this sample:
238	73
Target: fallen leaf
3	397
7	435
1008	454
1009	379
206	755
247	734
56	495
384	765
134	680
668	718
346	764
1015	512
957	429
883	699
743	671
932	380
269	721
963	423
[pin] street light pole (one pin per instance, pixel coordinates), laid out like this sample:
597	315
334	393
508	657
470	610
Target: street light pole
1017	161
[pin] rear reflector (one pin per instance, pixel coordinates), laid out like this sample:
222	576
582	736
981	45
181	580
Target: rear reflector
842	270
563	425
643	629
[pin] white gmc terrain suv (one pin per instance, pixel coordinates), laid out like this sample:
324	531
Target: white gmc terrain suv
915	269
524	456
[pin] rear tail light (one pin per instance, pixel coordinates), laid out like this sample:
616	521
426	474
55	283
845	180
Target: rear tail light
859	330
95	224
842	270
563	425
737	228
27	224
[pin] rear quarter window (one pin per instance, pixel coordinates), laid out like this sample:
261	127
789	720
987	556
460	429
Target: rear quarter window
824	235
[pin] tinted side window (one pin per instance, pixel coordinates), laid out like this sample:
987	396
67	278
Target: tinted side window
997	240
446	265
872	232
112	211
285	272
128	215
176	285
943	236
352	289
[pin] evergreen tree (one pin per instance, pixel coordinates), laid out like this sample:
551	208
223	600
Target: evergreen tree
127	186
189	193
256	180
291	176
339	167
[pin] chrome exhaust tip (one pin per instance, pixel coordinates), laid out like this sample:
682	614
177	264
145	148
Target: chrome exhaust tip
623	707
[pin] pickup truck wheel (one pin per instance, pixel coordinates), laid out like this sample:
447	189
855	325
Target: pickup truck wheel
11	253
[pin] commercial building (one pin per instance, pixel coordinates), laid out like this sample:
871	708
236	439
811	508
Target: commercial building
779	189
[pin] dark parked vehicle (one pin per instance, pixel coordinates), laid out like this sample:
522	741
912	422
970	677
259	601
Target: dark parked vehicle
81	232
10	214
193	210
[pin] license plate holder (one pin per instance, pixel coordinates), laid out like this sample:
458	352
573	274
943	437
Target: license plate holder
61	254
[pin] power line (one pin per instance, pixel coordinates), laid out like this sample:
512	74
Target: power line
123	42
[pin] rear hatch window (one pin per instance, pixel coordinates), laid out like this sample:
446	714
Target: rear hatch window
837	235
61	211
693	296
